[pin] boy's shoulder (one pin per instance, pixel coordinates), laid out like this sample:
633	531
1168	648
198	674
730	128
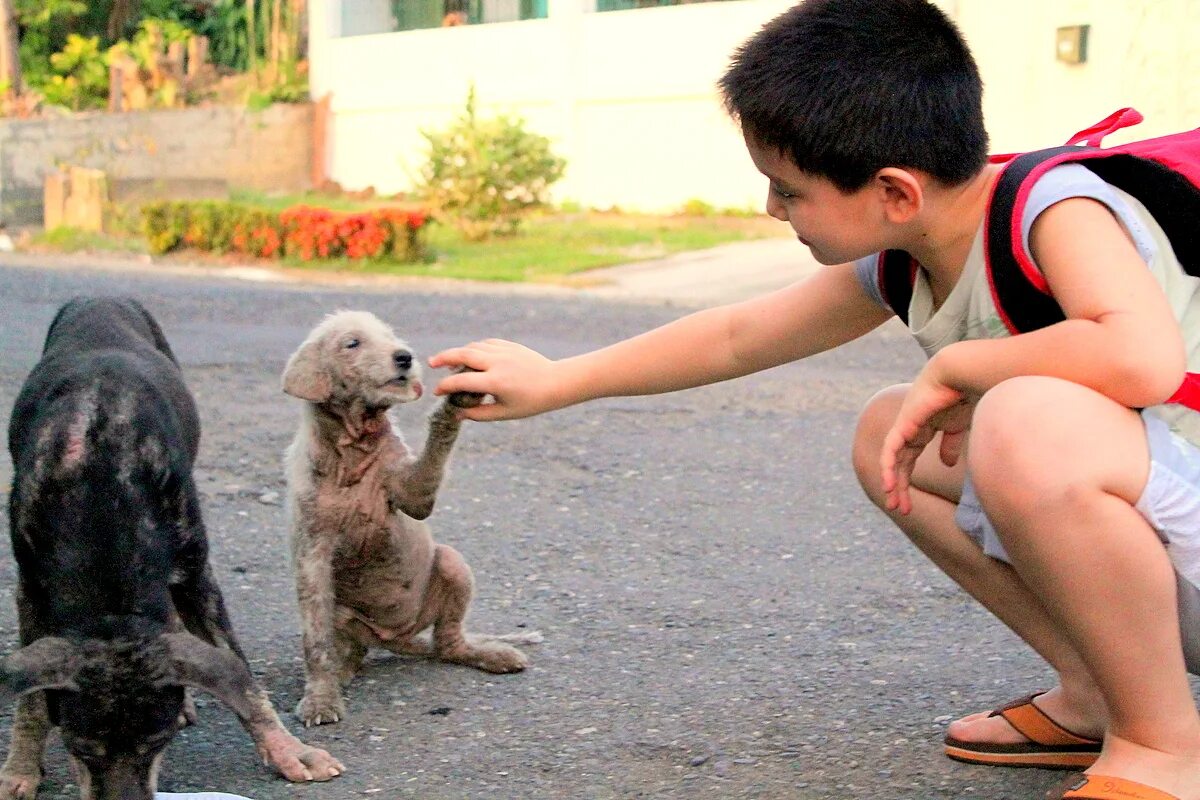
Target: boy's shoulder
1004	256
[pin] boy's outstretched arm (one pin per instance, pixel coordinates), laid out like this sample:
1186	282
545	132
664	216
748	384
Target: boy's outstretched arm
816	314
1120	338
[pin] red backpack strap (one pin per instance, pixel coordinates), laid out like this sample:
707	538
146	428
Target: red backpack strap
897	273
1019	290
1113	122
1163	173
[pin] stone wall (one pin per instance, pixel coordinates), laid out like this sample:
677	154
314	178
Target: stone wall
178	153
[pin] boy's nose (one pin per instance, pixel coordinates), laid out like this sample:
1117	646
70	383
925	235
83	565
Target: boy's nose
775	208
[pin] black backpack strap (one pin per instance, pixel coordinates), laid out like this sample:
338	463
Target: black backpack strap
1018	288
897	272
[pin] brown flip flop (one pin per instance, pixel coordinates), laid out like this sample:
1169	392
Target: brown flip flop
1103	787
1050	745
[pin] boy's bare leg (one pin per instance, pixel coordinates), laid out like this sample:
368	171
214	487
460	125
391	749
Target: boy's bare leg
1058	469
1076	703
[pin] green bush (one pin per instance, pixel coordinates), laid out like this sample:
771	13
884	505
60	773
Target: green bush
483	176
695	207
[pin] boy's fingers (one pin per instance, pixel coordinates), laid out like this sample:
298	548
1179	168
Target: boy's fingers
469	356
476	382
951	449
888	458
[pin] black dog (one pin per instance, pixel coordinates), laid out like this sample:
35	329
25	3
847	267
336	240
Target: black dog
113	556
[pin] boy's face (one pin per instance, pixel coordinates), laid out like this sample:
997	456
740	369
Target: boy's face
837	227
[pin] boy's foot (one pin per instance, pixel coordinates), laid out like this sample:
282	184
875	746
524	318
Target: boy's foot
1020	734
1129	771
1104	787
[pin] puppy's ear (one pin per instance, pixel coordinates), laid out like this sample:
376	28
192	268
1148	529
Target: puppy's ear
305	377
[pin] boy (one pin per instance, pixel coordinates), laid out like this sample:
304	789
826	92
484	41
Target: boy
865	117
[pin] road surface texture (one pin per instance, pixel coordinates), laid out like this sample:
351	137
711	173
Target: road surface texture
725	616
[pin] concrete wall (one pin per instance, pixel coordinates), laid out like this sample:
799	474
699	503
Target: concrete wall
1141	53
628	97
181	152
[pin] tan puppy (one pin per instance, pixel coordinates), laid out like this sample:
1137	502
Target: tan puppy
368	573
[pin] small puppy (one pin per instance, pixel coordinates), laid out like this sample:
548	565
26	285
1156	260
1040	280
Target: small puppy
368	573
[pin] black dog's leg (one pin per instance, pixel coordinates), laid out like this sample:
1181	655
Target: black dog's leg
201	607
22	770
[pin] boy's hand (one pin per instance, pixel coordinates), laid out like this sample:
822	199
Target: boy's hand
930	407
520	381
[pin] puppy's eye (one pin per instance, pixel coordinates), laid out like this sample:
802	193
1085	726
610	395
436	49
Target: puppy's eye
352	343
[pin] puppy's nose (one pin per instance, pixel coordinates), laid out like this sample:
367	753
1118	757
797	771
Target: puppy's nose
403	359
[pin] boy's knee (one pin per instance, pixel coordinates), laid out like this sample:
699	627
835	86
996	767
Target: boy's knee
873	424
1010	426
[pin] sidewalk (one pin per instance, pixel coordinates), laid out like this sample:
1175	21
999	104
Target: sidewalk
695	279
722	274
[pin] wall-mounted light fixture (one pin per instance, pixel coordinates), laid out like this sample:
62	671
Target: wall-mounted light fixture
1071	44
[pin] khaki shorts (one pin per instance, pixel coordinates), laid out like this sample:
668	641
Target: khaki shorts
1170	502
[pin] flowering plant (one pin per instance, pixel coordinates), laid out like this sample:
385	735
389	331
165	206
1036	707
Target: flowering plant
301	232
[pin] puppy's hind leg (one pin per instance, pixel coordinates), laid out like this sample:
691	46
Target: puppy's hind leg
450	590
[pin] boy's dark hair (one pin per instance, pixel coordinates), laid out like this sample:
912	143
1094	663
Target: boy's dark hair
848	87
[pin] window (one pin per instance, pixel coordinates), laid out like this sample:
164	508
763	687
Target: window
413	14
361	17
623	5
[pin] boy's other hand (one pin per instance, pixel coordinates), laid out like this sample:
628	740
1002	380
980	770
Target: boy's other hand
519	382
929	408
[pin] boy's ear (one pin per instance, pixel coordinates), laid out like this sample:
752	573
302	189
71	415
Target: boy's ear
902	193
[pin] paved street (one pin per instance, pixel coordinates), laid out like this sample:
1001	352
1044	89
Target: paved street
724	615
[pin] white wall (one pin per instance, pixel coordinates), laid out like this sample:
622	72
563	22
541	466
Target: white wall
1141	53
629	98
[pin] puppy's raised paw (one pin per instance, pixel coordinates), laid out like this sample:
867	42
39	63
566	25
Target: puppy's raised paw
465	399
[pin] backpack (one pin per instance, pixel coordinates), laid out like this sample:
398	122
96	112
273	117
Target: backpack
1162	173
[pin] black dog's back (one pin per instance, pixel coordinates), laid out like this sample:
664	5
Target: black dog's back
115	337
103	436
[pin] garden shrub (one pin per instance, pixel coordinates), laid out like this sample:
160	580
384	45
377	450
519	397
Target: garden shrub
483	175
300	232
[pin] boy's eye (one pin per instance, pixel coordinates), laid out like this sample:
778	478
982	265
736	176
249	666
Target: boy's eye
781	192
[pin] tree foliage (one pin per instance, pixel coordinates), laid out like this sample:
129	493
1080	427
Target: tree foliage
62	42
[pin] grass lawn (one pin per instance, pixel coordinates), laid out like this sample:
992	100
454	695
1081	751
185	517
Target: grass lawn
551	247
558	248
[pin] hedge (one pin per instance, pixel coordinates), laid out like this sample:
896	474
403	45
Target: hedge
300	232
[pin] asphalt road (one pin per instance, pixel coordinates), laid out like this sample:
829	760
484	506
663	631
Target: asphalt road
724	615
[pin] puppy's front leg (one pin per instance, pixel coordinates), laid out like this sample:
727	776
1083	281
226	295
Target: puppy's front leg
322	701
413	487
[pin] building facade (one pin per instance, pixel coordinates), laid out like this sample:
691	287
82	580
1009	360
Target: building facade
626	88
